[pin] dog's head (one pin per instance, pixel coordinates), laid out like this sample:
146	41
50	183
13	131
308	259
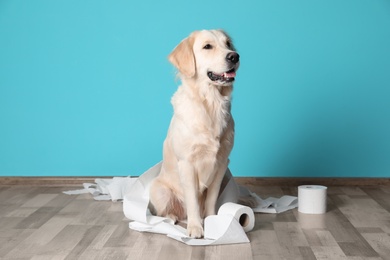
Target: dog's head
207	56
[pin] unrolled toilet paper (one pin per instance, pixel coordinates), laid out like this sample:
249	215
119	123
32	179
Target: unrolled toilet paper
312	199
218	229
244	215
228	227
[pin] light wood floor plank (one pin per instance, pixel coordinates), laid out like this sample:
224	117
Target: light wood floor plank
87	238
42	223
39	200
39	238
380	242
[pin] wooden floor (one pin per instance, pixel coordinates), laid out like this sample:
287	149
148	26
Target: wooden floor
43	223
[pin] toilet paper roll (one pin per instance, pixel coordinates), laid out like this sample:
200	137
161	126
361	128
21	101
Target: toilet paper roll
244	215
312	199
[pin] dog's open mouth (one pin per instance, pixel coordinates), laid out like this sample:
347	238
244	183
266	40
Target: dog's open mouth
227	76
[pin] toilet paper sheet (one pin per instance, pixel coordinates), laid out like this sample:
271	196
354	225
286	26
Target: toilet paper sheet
106	189
223	228
275	205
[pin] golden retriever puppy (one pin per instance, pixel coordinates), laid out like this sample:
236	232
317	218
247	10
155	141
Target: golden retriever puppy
201	133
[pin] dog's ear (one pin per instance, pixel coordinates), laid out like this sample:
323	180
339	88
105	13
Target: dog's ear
182	57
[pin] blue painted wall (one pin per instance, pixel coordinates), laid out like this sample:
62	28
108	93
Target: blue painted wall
85	86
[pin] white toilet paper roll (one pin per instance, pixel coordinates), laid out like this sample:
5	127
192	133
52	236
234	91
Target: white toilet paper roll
312	199
244	215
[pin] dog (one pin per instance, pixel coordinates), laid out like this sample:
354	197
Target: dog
201	133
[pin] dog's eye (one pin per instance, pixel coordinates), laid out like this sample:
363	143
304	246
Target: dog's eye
208	47
228	44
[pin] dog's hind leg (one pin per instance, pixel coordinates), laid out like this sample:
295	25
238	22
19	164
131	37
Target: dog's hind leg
164	202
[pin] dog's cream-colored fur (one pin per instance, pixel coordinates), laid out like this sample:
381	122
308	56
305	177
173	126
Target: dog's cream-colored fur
201	132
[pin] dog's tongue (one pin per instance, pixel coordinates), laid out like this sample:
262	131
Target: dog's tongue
229	74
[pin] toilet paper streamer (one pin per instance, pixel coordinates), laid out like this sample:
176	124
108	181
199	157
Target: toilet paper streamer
244	215
312	199
218	229
228	227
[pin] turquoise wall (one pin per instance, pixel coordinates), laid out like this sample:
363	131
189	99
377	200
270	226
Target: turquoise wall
85	86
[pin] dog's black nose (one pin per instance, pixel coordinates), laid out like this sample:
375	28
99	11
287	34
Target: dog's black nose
233	57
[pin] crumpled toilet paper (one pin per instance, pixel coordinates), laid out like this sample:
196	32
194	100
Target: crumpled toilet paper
218	229
275	205
223	228
106	189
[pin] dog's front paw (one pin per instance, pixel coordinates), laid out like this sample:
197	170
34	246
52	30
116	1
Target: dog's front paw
195	231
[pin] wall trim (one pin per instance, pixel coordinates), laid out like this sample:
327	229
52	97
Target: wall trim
326	181
250	181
